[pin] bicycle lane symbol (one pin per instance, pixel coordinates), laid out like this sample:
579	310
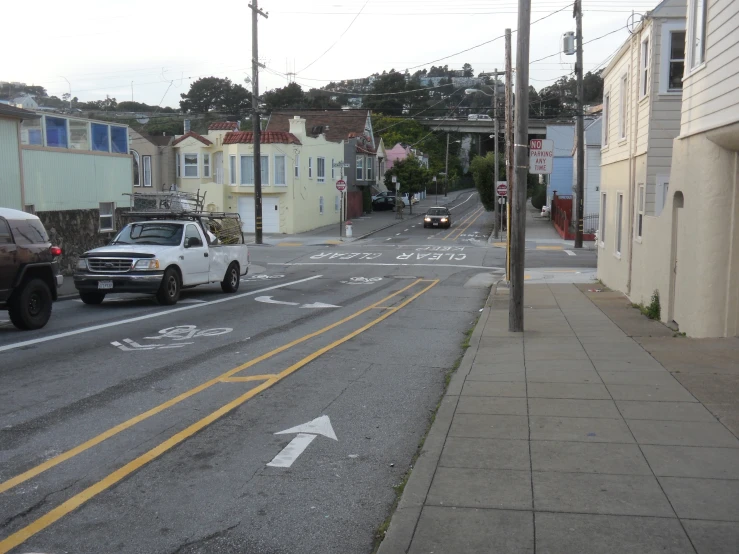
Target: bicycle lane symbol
177	335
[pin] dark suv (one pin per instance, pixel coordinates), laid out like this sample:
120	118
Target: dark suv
29	269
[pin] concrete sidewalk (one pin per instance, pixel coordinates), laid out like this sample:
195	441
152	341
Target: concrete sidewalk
572	438
362	226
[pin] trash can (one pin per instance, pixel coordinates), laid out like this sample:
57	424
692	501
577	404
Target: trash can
348	229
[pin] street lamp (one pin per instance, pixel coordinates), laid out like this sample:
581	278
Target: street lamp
436	186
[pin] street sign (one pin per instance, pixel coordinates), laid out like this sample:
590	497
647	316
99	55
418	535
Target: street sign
340	164
395	178
502	188
341	185
541	156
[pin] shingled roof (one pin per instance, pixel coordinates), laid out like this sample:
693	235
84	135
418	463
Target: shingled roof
336	125
194	135
267	137
223	126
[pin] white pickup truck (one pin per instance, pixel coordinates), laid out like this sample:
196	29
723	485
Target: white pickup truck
161	257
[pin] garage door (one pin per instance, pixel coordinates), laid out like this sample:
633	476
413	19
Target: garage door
270	213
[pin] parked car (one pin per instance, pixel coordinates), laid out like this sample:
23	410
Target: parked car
383	194
162	257
438	216
29	269
479	117
383	203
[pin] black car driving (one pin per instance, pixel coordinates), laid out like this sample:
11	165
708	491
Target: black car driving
438	217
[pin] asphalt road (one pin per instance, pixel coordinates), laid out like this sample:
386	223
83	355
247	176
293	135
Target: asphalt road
134	428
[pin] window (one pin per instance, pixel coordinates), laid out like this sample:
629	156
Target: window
135	164
321	170
31	132
644	68
79	137
5	236
382	167
333	169
264	169
603	214
619	218
697	44
280	170
360	168
677	61
320	205
190	163
206	165
663	187
310	168
640	200
232	169
247	170
107	209
370	167
146	173
99	133
177	162
297	166
191	232
218	169
56	132
624	107
118	139
606	118
337	202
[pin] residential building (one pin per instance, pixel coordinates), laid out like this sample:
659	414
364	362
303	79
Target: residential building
669	206
24	101
153	161
299	173
381	160
560	180
591	204
71	172
401	151
353	130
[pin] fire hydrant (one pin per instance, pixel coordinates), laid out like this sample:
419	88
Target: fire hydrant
348	229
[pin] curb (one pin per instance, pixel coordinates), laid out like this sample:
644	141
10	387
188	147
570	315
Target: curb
405	519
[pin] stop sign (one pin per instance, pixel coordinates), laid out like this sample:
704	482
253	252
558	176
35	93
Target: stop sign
502	188
341	185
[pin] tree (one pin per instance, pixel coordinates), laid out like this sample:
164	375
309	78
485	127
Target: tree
290	96
483	173
219	95
391	86
412	176
467	69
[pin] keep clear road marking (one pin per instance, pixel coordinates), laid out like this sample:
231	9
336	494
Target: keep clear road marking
22	535
148	316
306	433
570	253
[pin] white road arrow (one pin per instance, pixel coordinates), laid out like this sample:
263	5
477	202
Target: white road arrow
268	300
319	305
306	433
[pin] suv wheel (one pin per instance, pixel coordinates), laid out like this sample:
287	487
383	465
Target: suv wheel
92	297
169	291
30	307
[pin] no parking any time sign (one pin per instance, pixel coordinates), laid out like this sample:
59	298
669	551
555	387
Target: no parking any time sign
541	156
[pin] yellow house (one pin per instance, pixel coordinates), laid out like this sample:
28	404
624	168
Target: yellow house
298	175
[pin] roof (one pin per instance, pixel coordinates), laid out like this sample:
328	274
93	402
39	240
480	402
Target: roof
267	137
223	126
10	213
12	111
337	125
159	140
194	135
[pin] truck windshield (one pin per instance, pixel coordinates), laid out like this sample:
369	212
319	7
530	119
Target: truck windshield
165	234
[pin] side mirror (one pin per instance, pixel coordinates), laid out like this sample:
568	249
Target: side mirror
193	242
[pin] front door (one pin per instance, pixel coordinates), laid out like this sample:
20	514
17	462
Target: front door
8	259
196	264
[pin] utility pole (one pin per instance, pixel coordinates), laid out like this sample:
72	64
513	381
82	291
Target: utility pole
580	161
495	180
508	146
446	166
256	123
521	163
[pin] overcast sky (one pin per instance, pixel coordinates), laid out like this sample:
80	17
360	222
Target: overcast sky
161	46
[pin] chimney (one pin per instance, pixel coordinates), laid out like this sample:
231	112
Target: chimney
297	126
187	126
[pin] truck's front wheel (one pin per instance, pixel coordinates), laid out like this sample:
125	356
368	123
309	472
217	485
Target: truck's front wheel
169	291
232	279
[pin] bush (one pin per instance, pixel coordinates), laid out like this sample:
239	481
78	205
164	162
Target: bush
539	198
654	310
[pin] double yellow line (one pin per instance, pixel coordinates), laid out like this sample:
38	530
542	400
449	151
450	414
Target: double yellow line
470	218
76	501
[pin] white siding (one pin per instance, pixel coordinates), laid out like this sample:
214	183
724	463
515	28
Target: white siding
592	180
709	93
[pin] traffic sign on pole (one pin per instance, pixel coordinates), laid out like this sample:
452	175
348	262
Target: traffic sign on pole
502	188
341	185
541	156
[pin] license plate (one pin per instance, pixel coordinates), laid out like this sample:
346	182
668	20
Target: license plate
436	223
105	284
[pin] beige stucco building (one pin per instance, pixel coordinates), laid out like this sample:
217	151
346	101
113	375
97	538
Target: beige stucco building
298	178
153	160
669	208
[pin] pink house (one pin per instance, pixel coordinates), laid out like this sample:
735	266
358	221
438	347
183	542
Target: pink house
401	151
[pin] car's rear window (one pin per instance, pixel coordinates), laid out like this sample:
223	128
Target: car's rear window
437	211
28	231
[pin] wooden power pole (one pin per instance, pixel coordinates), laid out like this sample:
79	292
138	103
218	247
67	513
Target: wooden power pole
508	145
580	140
521	163
256	123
